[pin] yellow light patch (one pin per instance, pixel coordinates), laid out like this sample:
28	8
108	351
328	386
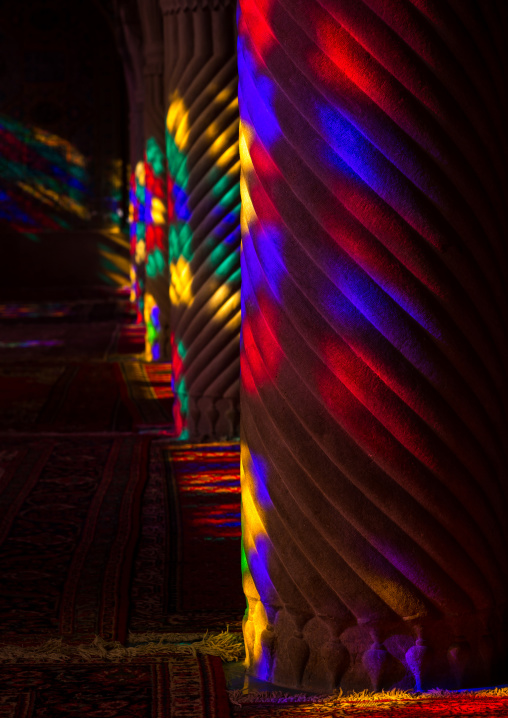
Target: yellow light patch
248	214
224	95
178	121
228	155
121	263
72	155
140	173
140	255
132	296
180	290
252	529
119	280
52	198
229	305
158	211
150	303
116	236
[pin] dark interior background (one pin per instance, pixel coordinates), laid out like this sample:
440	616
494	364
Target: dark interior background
63	150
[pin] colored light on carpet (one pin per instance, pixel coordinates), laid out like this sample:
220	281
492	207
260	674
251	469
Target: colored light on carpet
54	339
130	339
146	389
31	343
209	471
14	310
85	397
206	485
442	704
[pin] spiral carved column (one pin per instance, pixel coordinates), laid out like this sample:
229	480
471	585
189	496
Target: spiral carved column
203	214
374	342
130	46
156	305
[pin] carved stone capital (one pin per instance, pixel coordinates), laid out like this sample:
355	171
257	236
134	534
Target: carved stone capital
154	59
174	6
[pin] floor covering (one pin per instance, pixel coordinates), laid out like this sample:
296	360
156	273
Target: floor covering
176	686
94	524
436	704
120	547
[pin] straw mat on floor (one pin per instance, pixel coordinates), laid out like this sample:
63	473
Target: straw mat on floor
397	704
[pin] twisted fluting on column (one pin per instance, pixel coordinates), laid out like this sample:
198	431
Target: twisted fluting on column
156	305
204	217
137	230
130	47
156	300
374	341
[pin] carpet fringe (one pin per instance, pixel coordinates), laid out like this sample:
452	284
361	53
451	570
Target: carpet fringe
353	702
154	637
228	646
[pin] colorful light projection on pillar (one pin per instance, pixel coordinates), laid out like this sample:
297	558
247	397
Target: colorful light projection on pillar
147	218
180	253
204	234
352	309
180	233
137	223
152	324
44	183
261	596
210	473
155	235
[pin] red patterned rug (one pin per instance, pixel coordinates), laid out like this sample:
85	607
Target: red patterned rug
67	310
69	523
56	341
178	686
146	391
130	339
190	516
86	397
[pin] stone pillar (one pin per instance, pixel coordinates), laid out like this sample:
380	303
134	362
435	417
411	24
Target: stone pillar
156	304
130	47
374	342
203	214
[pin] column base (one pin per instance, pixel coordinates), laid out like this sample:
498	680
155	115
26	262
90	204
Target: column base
212	418
321	656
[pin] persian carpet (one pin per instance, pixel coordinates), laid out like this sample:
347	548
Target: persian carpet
42	341
177	686
24	389
191	517
436	704
69	523
85	397
68	310
129	339
146	390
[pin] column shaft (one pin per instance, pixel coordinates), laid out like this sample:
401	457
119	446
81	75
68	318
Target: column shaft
374	342
204	215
